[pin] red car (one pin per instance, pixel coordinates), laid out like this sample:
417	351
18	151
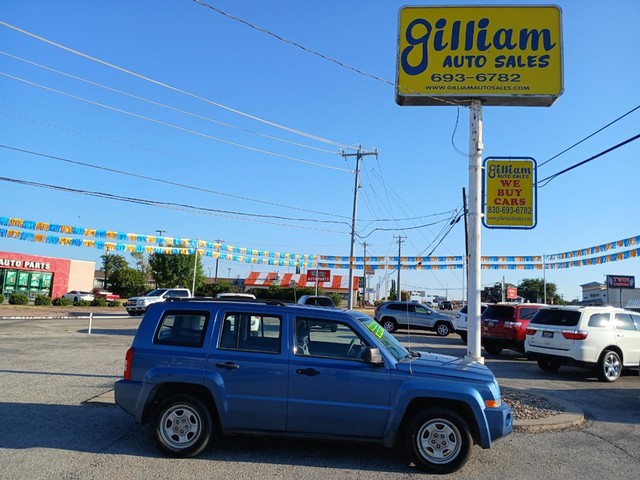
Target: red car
504	325
102	293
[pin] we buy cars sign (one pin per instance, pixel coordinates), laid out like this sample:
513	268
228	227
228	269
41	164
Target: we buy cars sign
319	275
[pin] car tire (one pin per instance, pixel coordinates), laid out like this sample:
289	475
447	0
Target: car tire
548	366
389	324
182	426
438	440
493	349
463	337
609	366
442	329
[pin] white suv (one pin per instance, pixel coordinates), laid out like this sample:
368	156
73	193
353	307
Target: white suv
605	339
461	322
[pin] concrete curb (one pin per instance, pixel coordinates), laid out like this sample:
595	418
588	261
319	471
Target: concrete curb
571	417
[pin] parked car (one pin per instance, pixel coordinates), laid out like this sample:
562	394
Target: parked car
102	293
196	370
139	305
319	300
504	325
446	305
461	322
394	315
76	295
605	339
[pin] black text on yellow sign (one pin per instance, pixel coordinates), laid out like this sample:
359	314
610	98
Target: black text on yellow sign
502	55
510	192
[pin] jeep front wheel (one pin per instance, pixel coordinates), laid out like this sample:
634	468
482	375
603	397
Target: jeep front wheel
389	324
438	440
182	426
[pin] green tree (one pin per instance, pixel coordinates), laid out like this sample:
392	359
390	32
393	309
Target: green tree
532	289
111	263
176	271
128	282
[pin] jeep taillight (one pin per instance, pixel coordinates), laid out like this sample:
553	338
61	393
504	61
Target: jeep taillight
128	360
575	335
531	331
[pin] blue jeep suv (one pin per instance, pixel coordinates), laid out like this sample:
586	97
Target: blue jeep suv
198	369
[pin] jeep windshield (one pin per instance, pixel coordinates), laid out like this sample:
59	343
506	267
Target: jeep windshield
390	343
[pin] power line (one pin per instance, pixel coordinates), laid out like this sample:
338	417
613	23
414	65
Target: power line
177	127
545	181
168	182
157	203
158	104
591	135
176	89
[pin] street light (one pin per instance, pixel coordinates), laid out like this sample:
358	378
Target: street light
229	268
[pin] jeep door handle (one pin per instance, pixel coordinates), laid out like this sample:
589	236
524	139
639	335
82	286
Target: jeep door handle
227	365
310	372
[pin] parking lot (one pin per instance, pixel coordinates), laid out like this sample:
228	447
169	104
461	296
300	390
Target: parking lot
50	369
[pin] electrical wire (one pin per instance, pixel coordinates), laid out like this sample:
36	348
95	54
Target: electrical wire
168	107
174	205
176	89
177	127
545	181
590	135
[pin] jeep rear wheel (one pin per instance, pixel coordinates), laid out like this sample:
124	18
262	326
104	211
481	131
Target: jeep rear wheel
389	324
609	367
442	329
438	440
182	426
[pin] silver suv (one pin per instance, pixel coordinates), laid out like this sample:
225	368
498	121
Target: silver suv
605	339
394	315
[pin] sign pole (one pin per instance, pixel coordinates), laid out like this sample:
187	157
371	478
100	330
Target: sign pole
475	232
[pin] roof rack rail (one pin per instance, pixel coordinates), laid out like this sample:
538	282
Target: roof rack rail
231	300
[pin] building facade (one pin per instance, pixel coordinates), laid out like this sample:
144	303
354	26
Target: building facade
35	275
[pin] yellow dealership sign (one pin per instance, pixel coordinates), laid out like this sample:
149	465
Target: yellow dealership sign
502	55
510	193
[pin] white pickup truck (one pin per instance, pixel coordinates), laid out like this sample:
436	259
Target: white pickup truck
139	305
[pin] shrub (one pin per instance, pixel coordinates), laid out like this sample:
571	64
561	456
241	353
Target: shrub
99	302
1	298
114	303
18	298
42	300
82	303
61	302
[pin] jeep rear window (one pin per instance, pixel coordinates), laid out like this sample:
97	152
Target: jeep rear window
561	318
251	332
182	328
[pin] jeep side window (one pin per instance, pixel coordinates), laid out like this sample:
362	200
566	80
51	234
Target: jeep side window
528	313
328	339
251	332
182	328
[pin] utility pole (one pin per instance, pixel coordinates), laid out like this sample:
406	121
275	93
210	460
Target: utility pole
218	242
195	264
364	276
398	289
359	154
466	246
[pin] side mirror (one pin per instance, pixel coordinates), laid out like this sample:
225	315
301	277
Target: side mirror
373	357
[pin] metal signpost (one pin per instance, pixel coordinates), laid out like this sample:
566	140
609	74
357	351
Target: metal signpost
475	56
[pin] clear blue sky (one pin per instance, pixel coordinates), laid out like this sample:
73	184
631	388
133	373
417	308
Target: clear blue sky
252	167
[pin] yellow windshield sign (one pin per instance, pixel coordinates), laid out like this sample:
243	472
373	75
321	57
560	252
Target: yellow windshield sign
502	55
